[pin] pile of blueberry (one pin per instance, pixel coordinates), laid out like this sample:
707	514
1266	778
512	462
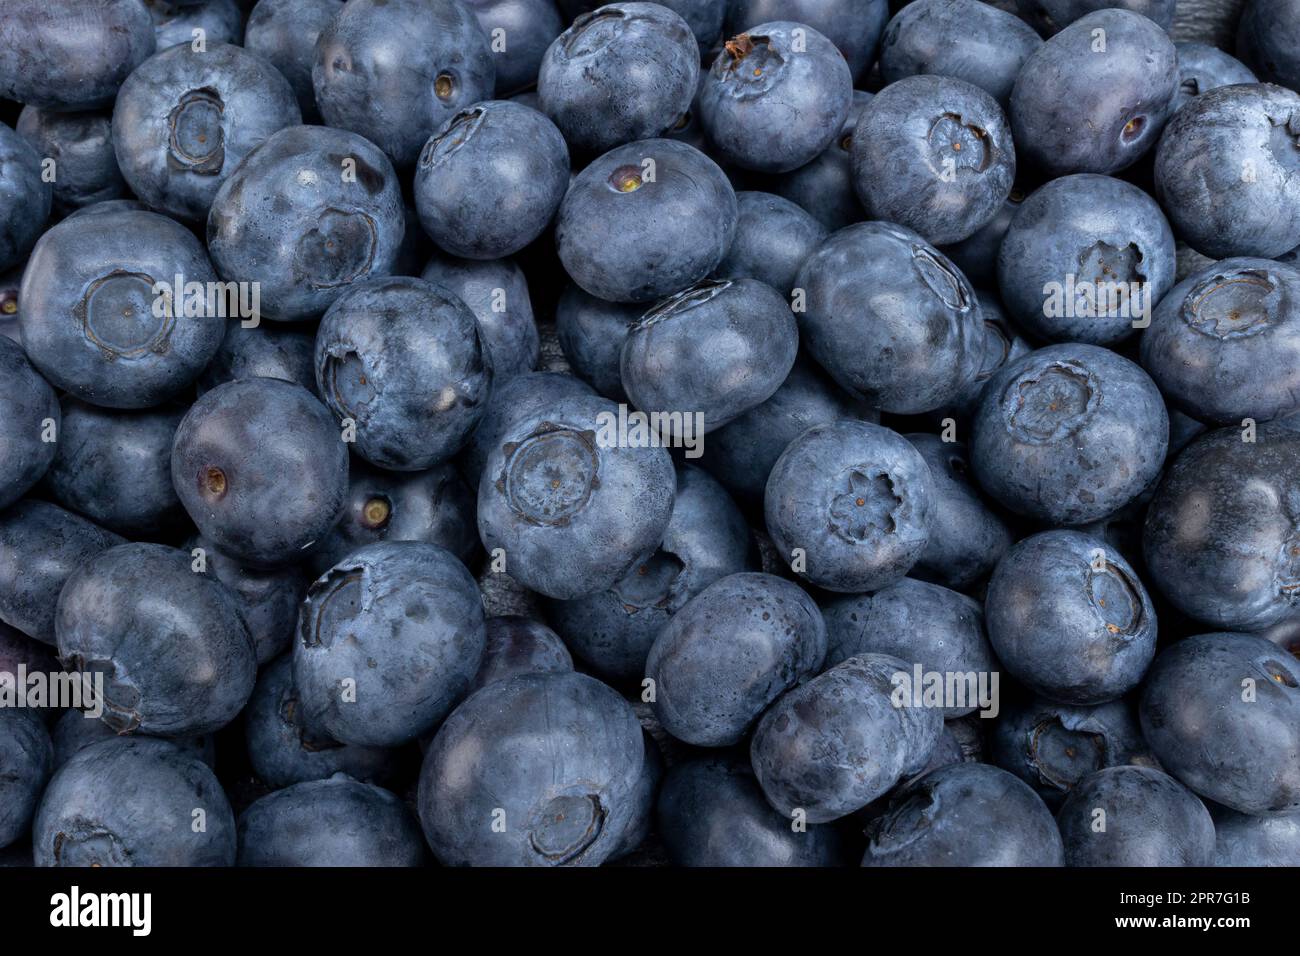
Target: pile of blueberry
529	432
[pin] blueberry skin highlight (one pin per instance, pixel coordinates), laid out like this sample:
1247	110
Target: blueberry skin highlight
773	239
338	219
1243	754
909	349
965	814
774	99
528	27
282	752
26	403
404	360
1219	532
625	237
1199	179
622	73
263	351
1069	618
1242	840
856	499
1051	16
334	822
284	32
718	348
1097	230
87	48
1224	345
131	802
933	154
712	813
916	622
591	333
1068	434
854	26
497	293
28	758
963	39
262	470
824	186
81	145
1119	98
831	746
1202	68
89	316
735	648
707	538
1151	820
25	200
184	120
560	754
517	645
1267	34
117	610
489	181
41	544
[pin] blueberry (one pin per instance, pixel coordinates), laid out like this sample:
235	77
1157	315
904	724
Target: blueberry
775	97
40	546
1267	34
388	641
268	600
261	469
284	32
29	415
520	32
117	610
263	351
910	349
854	26
645	220
707	539
824	186
445	65
334	822
309	212
1052	16
1120	85
1086	259
1068	434
1225	171
712	813
831	746
10	284
28	758
1220	538
1149	818
729	653
591	333
282	751
114	467
518	645
134	802
965	814
1224	345
571	510
71	54
101	318
918	623
489	181
184	120
622	73
81	146
1202	68
848	505
497	293
403	359
1219	711
716	349
977	255
964	39
216	21
75	731
19	650
1243	840
25	197
554	761
773	239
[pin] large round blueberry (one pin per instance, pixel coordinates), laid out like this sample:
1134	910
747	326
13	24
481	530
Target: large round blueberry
775	97
1051	16
268	599
1135	816
28	758
1119	73
890	318
831	746
284	32
134	801
854	26
519	645
624	72
1267	37
115	613
25	197
309	212
1069	434
261	468
1245	840
645	220
497	293
934	154
1086	258
396	70
773	239
29	424
538	770
1202	68
520	32
591	333
81	146
848	506
102	317
263	351
824	186
1222	714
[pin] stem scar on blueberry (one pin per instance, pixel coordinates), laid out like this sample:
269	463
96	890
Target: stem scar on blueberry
376	512
626	179
444	85
213	482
